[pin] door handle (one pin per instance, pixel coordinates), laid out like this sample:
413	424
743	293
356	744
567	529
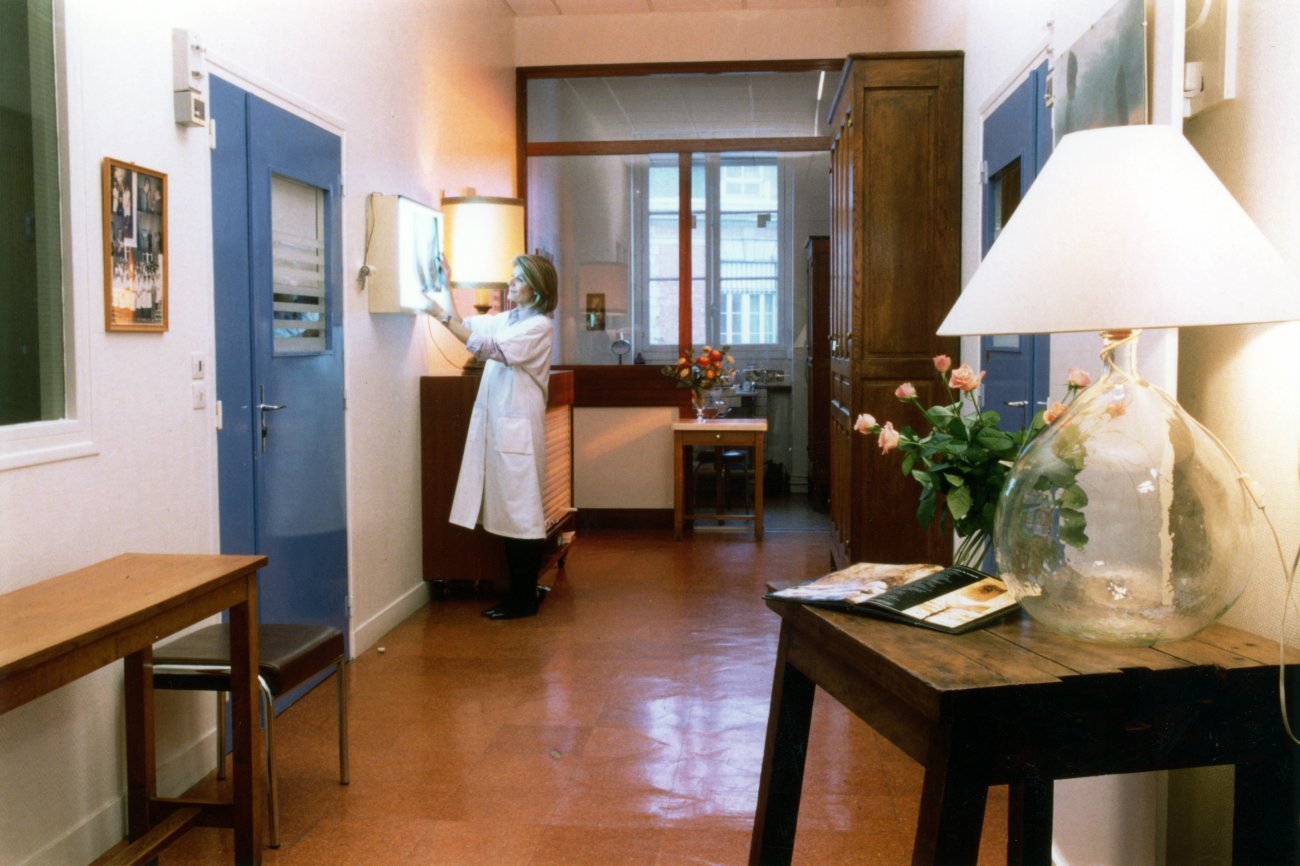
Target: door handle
1016	404
262	408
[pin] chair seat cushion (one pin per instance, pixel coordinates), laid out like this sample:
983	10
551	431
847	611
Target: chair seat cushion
289	653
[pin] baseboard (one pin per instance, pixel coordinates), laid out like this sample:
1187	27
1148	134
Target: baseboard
625	518
101	830
366	633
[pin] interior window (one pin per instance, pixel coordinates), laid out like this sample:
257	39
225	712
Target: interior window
605	152
32	386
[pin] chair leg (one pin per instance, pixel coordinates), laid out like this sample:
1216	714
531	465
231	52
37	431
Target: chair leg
221	735
343	720
272	788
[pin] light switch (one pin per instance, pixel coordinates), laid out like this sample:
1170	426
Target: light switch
198	365
199	391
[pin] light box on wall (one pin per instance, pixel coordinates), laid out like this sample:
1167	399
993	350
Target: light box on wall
404	241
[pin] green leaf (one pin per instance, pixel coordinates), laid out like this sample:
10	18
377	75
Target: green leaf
954	479
1072	518
994	439
908	462
1075	536
959	502
925	511
1074	497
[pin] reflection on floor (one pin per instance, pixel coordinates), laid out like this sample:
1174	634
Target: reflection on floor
623	725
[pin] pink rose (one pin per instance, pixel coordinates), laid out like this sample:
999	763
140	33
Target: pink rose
864	424
942	363
964	378
1052	412
905	391
888	438
1078	378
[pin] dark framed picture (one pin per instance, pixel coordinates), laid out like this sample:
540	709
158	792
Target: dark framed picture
135	244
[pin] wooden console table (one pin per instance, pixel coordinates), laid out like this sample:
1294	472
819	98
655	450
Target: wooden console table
63	628
1018	704
717	433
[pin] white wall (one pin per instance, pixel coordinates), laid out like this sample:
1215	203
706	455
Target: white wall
1239	381
423	94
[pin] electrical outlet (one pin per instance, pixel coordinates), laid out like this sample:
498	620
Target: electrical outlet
199	391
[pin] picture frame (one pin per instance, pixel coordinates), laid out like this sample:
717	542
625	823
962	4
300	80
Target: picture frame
595	311
135	247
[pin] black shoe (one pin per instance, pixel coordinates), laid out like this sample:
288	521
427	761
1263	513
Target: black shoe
495	609
509	611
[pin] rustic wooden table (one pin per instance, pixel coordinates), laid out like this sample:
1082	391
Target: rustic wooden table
60	629
1018	704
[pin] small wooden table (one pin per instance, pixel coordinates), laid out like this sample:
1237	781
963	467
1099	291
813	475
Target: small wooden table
717	433
1020	705
63	628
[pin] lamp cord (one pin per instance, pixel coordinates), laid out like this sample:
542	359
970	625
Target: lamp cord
1288	574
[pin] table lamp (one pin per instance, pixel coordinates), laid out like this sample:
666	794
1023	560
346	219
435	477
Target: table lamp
483	235
1125	521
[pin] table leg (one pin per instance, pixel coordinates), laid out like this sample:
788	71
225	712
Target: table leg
1265	809
758	486
781	782
1029	822
140	779
248	761
952	797
679	488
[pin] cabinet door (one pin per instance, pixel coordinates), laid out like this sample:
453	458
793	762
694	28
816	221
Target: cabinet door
895	272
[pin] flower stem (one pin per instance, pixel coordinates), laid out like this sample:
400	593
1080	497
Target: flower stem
972	549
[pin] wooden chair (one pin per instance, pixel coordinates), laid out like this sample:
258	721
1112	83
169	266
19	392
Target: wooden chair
289	655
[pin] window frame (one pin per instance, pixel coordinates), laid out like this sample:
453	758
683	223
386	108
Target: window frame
712	162
831	68
40	442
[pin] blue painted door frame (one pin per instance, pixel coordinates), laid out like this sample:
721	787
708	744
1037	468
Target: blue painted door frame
1017	142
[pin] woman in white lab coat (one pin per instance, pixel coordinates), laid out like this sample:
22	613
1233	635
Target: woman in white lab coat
503	467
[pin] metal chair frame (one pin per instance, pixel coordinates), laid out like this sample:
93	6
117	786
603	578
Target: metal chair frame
209	671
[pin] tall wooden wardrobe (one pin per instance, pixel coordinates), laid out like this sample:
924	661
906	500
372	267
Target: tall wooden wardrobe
895	268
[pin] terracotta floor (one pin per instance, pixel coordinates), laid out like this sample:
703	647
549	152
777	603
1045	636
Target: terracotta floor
624	725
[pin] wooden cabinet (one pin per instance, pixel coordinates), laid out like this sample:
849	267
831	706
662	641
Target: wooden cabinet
817	256
895	259
453	553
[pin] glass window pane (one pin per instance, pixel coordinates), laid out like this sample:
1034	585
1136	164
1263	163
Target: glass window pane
580	215
748	250
682	106
297	267
31	277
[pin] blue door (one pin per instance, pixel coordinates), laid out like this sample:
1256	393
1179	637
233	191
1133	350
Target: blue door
1017	142
276	218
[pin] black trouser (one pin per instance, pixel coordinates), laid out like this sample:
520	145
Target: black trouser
524	562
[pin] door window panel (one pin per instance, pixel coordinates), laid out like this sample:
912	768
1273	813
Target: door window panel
297	267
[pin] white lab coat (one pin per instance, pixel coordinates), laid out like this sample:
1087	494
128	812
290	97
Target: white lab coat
502	471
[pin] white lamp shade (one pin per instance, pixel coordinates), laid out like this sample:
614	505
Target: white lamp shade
1125	228
484	234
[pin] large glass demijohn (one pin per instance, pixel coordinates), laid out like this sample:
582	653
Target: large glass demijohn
1125	521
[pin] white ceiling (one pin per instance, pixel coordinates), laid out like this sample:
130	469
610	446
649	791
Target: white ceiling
616	7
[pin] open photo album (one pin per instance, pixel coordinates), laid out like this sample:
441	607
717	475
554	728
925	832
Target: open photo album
955	599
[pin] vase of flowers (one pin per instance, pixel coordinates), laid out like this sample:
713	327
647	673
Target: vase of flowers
706	373
963	461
